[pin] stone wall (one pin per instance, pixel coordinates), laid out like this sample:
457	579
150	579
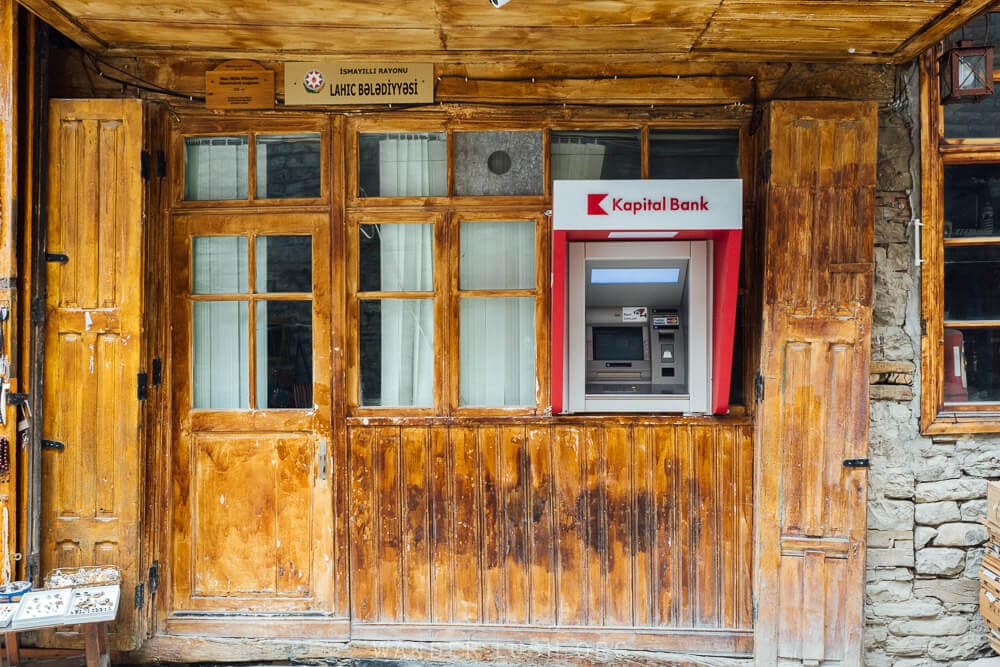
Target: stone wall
926	495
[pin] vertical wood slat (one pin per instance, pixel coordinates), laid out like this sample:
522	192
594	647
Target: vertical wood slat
414	536
441	527
541	533
389	553
565	525
642	525
513	492
568	450
468	592
491	520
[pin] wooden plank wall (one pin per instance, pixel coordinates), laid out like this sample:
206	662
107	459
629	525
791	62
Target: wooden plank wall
542	524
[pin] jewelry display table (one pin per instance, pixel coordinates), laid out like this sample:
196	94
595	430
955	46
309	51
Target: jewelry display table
91	607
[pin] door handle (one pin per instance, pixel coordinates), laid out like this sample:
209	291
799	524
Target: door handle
321	459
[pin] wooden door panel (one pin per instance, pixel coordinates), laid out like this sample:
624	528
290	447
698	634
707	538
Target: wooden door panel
815	356
814	596
92	490
253	489
255	528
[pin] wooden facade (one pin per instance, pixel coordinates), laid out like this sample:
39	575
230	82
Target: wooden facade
302	529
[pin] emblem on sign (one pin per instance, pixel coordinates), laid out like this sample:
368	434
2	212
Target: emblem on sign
313	81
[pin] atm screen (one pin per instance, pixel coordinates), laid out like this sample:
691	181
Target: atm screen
618	344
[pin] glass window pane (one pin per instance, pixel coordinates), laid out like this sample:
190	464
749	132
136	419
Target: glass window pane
220	264
221	355
397	352
284	354
971	281
497	255
497	348
591	155
288	166
215	168
403	165
694	154
284	264
498	163
971	365
396	258
971	195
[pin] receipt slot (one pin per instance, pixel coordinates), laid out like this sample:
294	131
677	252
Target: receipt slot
644	294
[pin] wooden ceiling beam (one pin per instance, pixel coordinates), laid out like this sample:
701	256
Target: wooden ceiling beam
620	31
960	13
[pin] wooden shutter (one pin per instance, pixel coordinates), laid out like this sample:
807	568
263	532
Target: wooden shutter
815	356
92	489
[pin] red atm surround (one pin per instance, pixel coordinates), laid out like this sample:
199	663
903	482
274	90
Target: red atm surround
719	227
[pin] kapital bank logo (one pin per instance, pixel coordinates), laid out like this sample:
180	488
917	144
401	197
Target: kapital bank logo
595	204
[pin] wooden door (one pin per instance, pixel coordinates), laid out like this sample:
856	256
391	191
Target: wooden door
92	489
252	493
815	357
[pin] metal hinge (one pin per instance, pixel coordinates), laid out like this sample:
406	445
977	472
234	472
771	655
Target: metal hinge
59	257
857	463
157	371
154	577
144	165
755	612
143	385
31	571
140	595
37	311
53	444
923	327
758	387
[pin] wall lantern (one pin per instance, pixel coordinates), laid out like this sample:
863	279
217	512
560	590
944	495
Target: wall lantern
966	73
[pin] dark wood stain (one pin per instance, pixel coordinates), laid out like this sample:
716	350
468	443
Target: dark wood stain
564	527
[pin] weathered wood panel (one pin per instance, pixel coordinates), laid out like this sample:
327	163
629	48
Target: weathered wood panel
625	525
815	355
92	490
256	542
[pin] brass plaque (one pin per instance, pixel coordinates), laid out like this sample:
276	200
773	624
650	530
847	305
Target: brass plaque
358	83
239	84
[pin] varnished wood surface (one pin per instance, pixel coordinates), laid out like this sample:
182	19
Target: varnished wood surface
815	354
252	527
590	30
623	526
92	490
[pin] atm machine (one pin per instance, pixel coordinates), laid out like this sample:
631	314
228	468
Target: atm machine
644	316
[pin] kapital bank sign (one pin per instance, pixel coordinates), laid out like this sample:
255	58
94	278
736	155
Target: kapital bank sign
648	204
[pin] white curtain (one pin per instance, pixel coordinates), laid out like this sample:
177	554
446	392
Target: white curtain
407	264
497	351
215	168
221	335
497	334
576	158
412	165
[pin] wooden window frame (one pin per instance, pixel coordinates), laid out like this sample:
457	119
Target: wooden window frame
251	128
936	153
252	226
